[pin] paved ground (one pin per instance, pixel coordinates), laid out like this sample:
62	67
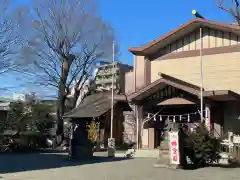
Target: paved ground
56	167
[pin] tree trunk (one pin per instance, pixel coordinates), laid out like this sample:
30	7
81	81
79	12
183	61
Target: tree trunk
60	113
62	96
78	90
75	97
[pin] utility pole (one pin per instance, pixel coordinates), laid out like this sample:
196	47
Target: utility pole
198	15
112	99
111	140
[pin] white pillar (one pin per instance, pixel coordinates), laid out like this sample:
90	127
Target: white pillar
208	117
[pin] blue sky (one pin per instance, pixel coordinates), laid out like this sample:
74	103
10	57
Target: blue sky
137	22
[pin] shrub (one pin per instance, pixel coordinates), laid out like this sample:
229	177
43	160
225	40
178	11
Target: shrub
202	148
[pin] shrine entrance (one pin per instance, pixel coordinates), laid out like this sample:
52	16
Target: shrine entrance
168	118
162	106
171	107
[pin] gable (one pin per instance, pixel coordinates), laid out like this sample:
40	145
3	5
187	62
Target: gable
178	39
211	38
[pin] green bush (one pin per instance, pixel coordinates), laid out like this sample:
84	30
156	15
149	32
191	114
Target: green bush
31	122
202	148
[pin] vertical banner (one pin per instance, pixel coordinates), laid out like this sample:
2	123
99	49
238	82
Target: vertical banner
208	118
174	147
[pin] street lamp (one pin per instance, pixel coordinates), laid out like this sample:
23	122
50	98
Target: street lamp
198	15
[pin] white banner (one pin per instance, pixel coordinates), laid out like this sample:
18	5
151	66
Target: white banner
174	147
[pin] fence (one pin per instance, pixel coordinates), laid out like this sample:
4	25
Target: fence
231	149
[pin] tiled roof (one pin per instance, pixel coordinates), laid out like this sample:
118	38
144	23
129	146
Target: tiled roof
92	106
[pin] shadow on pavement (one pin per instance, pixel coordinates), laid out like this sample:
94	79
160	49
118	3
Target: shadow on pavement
226	165
191	167
10	163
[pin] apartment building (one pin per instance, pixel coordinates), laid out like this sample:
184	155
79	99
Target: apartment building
103	79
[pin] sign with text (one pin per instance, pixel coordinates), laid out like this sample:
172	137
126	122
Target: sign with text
174	147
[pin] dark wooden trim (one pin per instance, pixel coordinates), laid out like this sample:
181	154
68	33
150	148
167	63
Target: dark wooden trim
147	71
208	33
195	53
189	97
215	36
222	33
230	38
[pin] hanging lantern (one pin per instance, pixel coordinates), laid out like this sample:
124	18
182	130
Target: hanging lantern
188	118
180	118
168	118
154	118
148	116
174	119
160	118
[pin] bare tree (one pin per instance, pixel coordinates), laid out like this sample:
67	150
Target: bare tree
66	38
8	37
233	10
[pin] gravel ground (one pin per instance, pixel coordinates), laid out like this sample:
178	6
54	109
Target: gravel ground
51	166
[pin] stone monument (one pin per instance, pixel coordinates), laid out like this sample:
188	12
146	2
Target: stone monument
165	149
80	147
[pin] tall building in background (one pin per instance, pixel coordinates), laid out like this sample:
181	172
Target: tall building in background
97	65
29	97
103	78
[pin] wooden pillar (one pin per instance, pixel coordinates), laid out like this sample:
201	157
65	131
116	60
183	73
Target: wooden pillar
141	133
144	138
119	125
217	116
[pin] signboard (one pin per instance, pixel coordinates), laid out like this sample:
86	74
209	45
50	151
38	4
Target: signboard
111	147
111	143
174	147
